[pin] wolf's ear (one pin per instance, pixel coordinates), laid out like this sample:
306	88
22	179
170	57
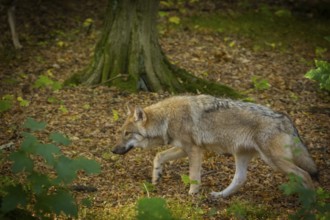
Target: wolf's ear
139	114
129	109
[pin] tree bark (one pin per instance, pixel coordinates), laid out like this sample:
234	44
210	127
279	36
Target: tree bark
129	56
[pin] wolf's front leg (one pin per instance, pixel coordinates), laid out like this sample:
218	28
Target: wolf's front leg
161	158
195	167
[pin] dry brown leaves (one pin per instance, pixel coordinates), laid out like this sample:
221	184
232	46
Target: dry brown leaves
91	125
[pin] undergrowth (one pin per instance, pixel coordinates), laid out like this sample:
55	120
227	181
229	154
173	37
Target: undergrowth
265	27
41	176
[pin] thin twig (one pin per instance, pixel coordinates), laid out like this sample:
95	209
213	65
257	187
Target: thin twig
144	185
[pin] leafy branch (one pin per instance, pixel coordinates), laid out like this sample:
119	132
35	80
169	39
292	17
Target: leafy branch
314	203
43	191
321	74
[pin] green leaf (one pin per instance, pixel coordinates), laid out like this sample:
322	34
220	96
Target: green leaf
306	197
43	81
52	100
23	102
59	202
187	181
56	86
64	202
153	208
232	44
47	151
174	20
33	125
59	138
115	115
260	84
86	106
89	166
63	109
29	142
86	202
88	22
320	52
66	172
22	162
8	97
5	105
39	182
15	196
162	14
321	74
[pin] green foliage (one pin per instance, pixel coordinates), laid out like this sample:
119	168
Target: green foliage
33	125
260	84
153	209
264	26
59	138
88	22
63	109
45	82
115	115
320	52
180	5
246	210
321	74
283	13
174	19
44	175
148	187
314	204
23	102
187	181
6	103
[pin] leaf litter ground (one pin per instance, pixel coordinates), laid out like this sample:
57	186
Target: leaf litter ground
91	116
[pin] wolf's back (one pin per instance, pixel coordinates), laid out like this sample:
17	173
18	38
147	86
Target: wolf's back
301	155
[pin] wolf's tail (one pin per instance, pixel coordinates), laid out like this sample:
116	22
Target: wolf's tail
301	156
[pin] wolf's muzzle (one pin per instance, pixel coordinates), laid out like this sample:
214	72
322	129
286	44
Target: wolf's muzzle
121	149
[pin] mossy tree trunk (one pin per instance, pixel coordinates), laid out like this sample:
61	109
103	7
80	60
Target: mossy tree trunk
129	56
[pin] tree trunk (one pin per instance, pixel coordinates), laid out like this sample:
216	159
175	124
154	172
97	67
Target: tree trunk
129	56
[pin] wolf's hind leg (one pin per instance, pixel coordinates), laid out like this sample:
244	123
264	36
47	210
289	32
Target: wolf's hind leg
241	162
161	158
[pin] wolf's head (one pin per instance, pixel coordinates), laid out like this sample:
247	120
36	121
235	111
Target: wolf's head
134	132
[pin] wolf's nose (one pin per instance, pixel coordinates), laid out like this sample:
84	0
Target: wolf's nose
114	150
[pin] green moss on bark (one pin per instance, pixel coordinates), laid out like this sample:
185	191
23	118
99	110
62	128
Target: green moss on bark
129	57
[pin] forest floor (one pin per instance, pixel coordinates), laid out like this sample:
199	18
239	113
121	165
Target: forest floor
58	41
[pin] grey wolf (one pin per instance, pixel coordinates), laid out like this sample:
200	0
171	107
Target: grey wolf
194	124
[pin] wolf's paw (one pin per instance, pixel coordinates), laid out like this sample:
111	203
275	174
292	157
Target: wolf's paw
157	174
154	182
217	194
155	179
193	190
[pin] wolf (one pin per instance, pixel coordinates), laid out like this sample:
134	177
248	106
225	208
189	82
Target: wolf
192	125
